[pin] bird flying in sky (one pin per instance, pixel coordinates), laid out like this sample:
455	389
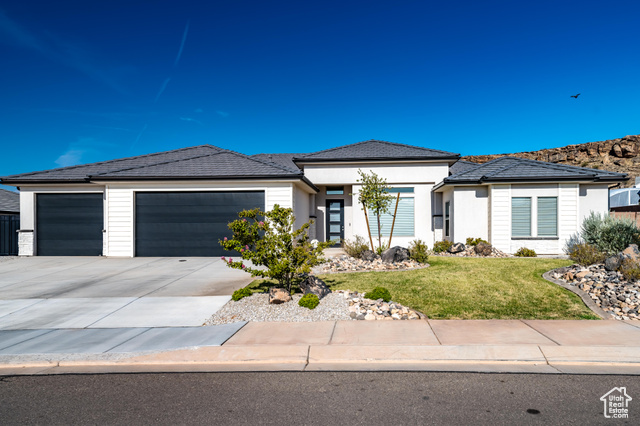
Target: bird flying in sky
575	96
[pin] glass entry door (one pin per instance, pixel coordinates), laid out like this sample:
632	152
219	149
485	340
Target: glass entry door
335	221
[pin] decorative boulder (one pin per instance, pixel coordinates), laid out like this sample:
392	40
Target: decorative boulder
314	285
457	248
612	263
395	254
368	255
483	249
632	252
278	296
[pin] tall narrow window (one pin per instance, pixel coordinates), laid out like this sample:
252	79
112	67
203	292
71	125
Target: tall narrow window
447	206
521	217
547	216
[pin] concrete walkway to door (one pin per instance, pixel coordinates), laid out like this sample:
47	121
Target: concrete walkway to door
97	292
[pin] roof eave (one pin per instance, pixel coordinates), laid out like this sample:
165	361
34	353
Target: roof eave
538	179
375	159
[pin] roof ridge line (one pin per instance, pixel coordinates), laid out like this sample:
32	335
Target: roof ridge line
563	166
268	163
109	161
156	164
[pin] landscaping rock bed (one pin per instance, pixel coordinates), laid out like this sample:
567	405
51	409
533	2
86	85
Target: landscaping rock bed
470	251
608	289
341	305
346	263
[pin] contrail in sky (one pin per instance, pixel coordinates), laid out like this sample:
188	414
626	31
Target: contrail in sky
139	135
184	38
164	86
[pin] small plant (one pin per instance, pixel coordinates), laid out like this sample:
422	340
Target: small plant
418	251
378	293
356	247
441	246
381	250
475	241
309	301
585	254
630	270
525	252
241	293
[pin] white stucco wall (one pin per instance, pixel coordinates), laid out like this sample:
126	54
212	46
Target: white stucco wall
593	197
470	213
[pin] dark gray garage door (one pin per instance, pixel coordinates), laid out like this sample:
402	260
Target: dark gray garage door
69	224
188	223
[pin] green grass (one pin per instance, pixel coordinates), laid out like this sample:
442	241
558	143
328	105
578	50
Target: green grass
473	288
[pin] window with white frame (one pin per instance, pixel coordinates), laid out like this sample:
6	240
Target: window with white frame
447	207
405	216
524	222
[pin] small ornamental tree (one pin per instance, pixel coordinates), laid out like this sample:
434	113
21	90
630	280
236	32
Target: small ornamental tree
268	239
374	197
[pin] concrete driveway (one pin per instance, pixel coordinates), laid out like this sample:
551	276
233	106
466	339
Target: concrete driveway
97	292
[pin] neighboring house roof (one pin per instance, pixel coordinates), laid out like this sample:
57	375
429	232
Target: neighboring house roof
199	162
462	166
374	150
513	169
9	201
285	160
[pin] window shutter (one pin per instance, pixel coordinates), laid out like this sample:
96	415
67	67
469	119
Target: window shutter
521	217
404	226
547	216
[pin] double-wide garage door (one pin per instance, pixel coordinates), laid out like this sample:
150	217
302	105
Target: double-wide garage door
188	223
166	223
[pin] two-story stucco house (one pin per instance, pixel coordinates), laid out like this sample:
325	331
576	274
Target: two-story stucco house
178	203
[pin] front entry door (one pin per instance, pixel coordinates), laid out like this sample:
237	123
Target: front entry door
335	221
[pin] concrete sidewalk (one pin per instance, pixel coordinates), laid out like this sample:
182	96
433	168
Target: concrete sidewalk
576	347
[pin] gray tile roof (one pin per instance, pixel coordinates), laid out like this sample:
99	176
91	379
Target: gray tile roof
285	160
9	201
510	169
375	150
462	166
204	161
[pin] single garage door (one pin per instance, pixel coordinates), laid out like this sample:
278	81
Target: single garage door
188	223
69	224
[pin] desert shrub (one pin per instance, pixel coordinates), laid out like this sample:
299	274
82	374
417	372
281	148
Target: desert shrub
309	300
475	241
609	234
630	270
378	293
418	251
241	293
571	243
441	246
525	252
585	254
380	250
356	247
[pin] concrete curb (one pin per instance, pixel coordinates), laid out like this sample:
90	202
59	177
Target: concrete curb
584	296
543	359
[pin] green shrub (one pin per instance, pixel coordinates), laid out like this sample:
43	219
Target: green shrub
356	247
441	246
525	252
309	300
241	293
419	251
585	254
475	241
630	270
378	293
381	249
609	234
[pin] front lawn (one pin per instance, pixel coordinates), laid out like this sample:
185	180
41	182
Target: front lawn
474	288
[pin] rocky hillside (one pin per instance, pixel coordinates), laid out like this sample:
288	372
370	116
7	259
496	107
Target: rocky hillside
616	155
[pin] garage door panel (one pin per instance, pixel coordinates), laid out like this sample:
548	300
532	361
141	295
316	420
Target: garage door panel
188	223
69	224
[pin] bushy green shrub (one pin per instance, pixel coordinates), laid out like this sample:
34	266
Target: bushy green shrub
380	250
356	247
609	234
630	270
585	254
418	251
378	293
241	293
525	252
475	241
309	300
441	246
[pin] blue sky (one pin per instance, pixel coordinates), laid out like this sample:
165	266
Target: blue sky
85	81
